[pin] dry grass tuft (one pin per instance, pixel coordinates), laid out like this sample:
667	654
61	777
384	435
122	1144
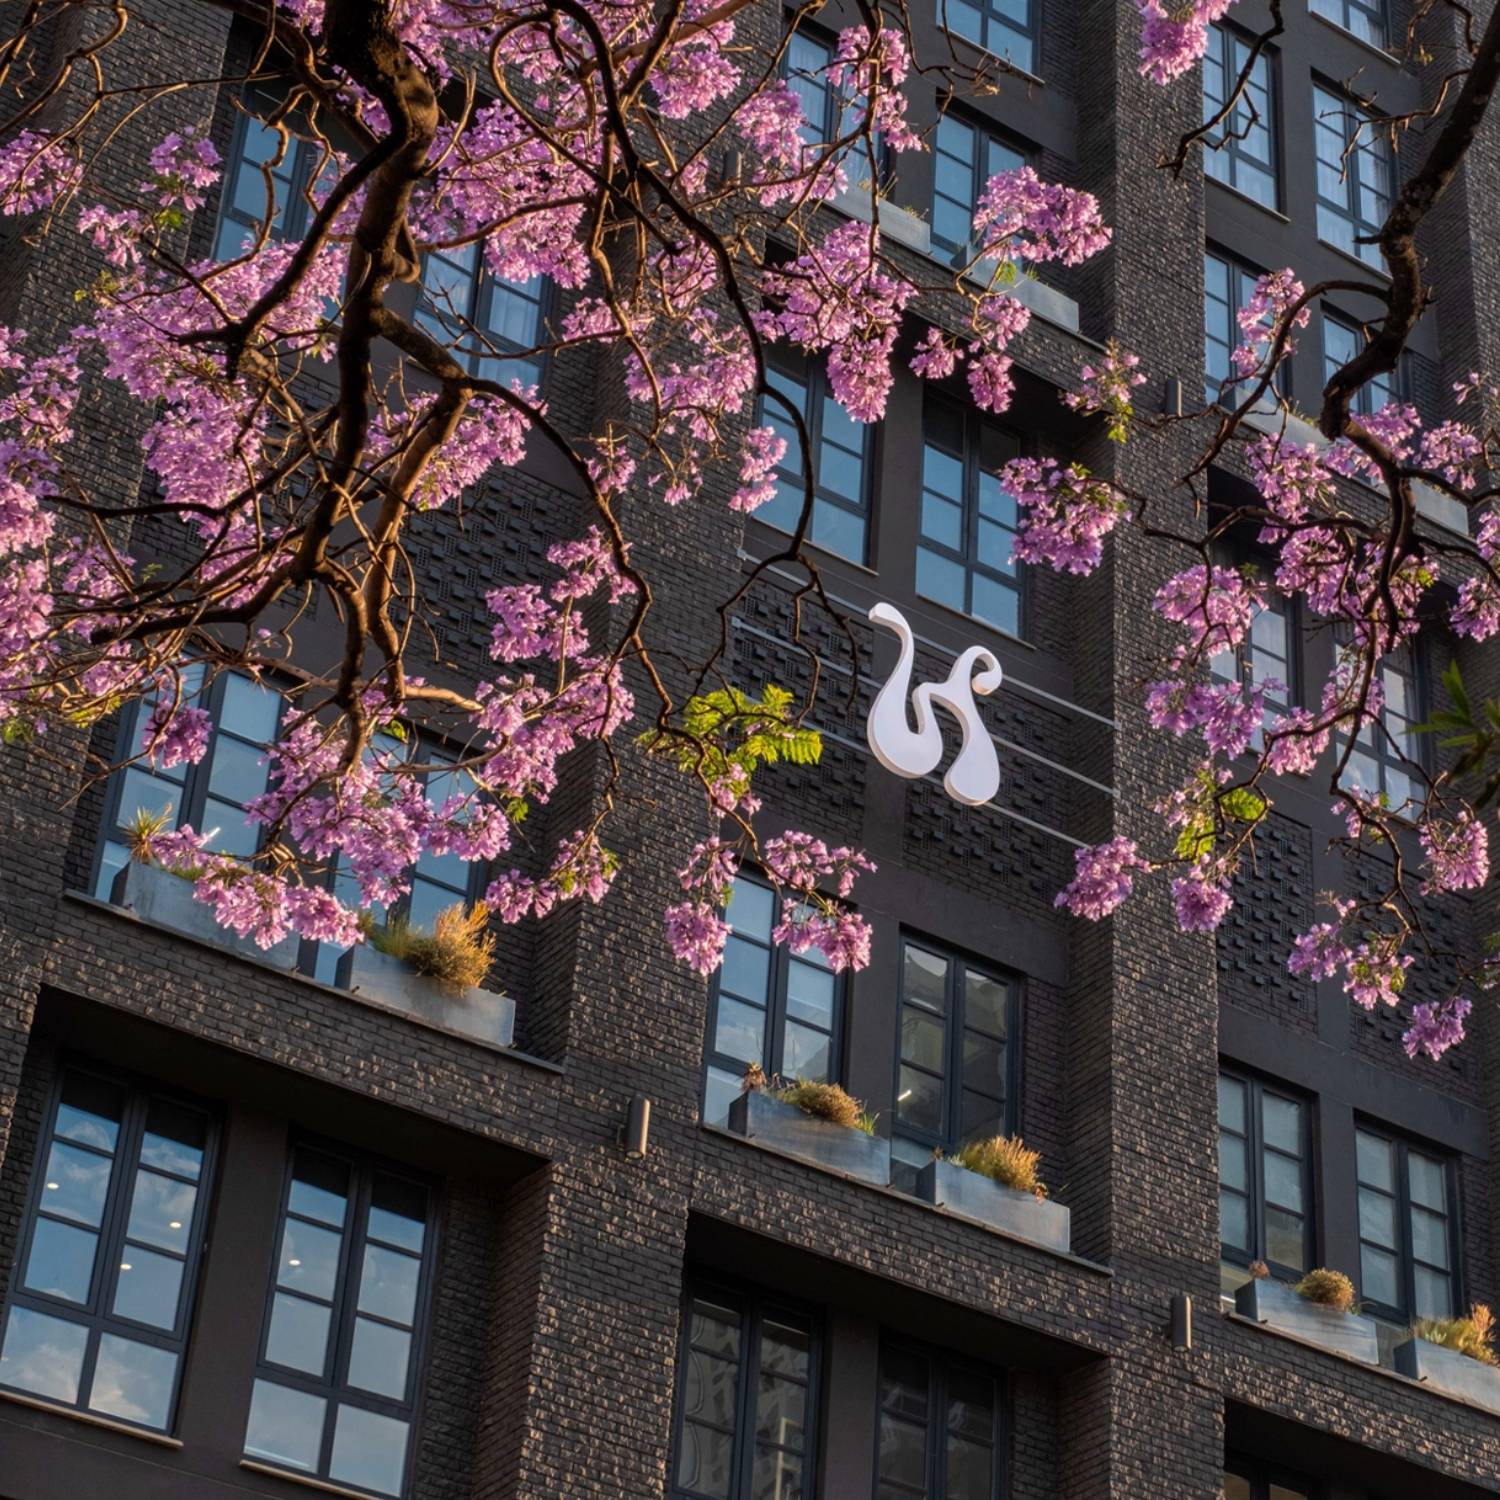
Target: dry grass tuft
457	952
1007	1160
1472	1335
1327	1289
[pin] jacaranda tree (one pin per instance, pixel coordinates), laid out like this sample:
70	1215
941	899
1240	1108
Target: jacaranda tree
652	160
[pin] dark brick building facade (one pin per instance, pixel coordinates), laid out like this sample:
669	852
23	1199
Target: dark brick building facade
553	1317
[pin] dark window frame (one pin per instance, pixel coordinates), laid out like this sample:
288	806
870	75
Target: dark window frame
470	336
954	1027
1406	1261
940	1364
1335	111
1388	758
993	20
1261	1475
1239	272
1377	11
986	133
1254	1193
112	1233
754	1305
1231	148
1363	404
332	1386
974	424
1231	552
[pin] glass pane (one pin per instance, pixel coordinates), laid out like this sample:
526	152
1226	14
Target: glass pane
1427	1181
984	1064
320	1188
238	772
368	1450
174	1139
1377	1277
148	1286
971	1474
42	1355
971	1405
1236	1488
809	993
1234	1221
710	1388
903	1452
940	579
309	1259
903	1384
89	1111
249	708
750	909
298	1336
840	531
942	522
398	1213
1429	1237
924	978
780	1411
716	1329
76	1183
985	1003
705	1461
1434	1294
1281	1120
740	1032
1283	1180
982	1116
285	1427
922	1039
61	1262
776	1475
999	604
1281	1492
227	831
133	1381
378	1358
805	1053
1285	1238
1232	1104
784	1349
161	1211
142	792
388	1286
720	1090
1232	1163
919	1100
746	970
1377	1218
1373	1156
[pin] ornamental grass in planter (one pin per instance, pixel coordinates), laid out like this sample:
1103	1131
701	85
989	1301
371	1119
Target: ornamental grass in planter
457	952
1318	1309
1455	1356
819	1122
997	1182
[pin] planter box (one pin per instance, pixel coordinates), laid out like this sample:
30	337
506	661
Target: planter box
971	1195
836	1147
377	976
167	900
1277	1305
1452	1373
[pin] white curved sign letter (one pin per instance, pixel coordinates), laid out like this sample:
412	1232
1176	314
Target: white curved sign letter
974	776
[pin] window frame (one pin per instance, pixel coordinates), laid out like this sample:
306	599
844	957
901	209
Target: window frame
1226	39
1349	119
307	162
973	425
1234	390
991	16
1362	405
773	1048
482	284
754	1305
333	1387
1377	10
1254	1192
985	135
1227	553
954	1027
125	1163
940	1364
1260	1476
1378	747
1406	1260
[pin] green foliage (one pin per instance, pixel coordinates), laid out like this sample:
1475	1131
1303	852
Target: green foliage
1471	1336
1476	735
1005	1159
457	952
140	828
1237	804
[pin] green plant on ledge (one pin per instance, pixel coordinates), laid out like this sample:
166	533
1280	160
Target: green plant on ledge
1005	1159
457	952
1471	1336
1331	1289
824	1101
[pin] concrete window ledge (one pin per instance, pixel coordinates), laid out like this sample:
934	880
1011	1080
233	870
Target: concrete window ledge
90	1419
305	1480
903	226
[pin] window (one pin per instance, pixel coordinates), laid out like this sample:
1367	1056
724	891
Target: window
211	796
840	519
1384	758
1365	18
1267	654
954	1079
965	157
1406	1241
746	1400
1243	152
968	521
1005	27
939	1428
780	1009
341	1345
1354	191
487	321
1227	288
256	146
1341	342
1249	1479
99	1312
807	61
1265	1179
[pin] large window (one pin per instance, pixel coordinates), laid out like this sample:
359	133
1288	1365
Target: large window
940	1436
341	1345
1341	342
1386	754
841	471
491	325
770	1006
964	159
968	520
1227	288
256	149
103	1288
1356	178
211	795
1242	150
1365	18
1251	1479
1265	1179
746	1400
955	1074
1406	1239
1267	655
1008	28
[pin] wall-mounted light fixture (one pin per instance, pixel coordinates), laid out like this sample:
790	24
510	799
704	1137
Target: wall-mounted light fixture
1173	404
1182	1321
635	1133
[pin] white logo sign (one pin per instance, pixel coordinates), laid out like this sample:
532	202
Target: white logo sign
974	776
